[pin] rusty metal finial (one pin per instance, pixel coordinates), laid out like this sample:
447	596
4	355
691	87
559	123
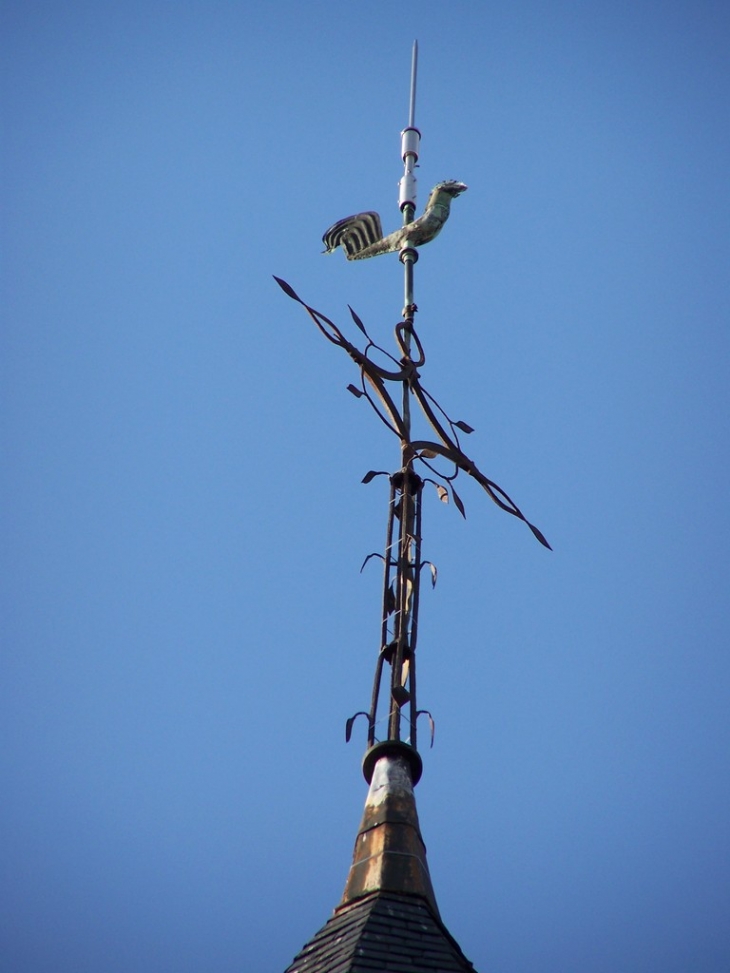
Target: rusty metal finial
393	718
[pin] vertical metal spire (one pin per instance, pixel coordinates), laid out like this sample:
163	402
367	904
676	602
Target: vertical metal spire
410	145
414	71
392	729
405	503
410	141
401	585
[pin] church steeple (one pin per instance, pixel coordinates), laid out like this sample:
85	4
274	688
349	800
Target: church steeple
388	918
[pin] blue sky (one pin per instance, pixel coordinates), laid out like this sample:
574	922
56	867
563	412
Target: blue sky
184	627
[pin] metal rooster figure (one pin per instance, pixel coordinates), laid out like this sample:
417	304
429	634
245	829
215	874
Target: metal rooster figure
361	237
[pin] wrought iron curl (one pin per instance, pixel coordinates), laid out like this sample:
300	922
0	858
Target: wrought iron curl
402	561
420	449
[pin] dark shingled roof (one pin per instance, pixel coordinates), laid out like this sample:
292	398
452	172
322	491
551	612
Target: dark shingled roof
383	932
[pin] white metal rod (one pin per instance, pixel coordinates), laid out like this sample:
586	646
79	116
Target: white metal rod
414	71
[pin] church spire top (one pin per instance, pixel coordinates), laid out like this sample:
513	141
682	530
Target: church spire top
393	718
388	893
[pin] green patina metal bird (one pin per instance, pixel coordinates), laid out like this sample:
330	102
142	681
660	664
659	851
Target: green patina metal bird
361	236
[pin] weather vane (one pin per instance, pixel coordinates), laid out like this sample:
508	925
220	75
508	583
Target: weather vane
361	237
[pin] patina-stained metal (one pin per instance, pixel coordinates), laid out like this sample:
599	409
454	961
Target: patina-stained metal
361	235
390	855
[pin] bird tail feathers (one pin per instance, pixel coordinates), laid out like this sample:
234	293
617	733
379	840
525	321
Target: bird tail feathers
353	234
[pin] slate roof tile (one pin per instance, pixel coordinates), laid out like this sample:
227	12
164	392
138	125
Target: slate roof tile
383	932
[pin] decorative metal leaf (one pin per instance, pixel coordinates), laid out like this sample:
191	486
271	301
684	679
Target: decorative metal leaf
458	503
428	454
371	474
434	574
464	426
431	723
358	393
539	535
368	558
288	289
358	322
349	725
443	493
